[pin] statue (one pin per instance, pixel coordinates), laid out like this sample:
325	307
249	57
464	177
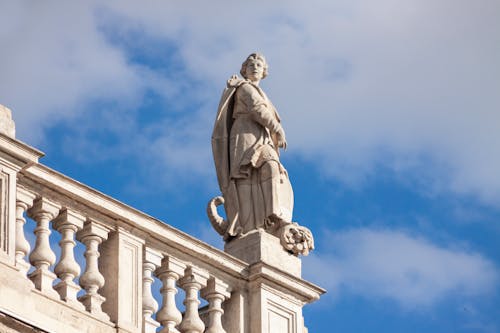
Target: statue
246	139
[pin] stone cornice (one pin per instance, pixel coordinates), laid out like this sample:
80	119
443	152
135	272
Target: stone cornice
262	273
18	152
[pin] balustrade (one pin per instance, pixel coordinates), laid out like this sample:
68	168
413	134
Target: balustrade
151	261
91	280
42	256
68	223
117	294
24	200
169	272
192	281
215	293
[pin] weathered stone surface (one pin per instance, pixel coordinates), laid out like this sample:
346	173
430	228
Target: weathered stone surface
44	314
246	140
10	324
247	136
122	248
7	125
14	156
260	246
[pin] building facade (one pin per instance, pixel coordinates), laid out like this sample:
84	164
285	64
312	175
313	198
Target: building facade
48	220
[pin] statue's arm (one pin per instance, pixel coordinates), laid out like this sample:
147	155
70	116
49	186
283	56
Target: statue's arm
258	108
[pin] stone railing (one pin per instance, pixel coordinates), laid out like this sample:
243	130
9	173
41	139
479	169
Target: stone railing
75	260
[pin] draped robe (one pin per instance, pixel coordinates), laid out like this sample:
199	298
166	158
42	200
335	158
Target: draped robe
243	140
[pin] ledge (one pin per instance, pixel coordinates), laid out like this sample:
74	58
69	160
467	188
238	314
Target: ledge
28	305
306	291
23	154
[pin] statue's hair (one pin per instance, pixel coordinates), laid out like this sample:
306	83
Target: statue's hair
254	56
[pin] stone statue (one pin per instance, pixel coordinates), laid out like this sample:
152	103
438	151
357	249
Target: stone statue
7	125
246	139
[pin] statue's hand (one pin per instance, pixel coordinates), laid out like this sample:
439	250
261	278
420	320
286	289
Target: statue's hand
233	80
280	136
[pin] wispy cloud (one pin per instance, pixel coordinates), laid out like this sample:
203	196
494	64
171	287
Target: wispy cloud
359	84
394	265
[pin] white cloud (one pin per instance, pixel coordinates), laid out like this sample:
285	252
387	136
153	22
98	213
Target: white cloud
412	86
394	265
55	63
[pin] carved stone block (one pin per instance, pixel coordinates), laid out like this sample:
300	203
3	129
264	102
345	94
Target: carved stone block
121	266
261	246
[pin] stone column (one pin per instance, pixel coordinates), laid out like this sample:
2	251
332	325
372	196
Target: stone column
192	282
42	256
151	261
92	235
215	293
169	272
68	223
23	202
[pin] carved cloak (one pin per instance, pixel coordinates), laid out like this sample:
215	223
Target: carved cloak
253	212
220	150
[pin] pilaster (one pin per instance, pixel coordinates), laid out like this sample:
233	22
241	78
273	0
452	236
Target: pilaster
121	264
14	156
276	299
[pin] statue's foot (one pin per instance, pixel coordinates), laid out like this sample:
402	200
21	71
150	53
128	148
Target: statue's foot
275	222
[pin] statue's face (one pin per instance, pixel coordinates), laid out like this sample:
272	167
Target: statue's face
255	70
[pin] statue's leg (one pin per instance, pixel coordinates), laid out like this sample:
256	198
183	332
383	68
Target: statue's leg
270	181
246	220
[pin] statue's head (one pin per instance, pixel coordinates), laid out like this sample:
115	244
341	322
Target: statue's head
256	63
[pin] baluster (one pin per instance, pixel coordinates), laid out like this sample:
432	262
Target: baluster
92	235
24	201
169	272
68	223
215	293
42	256
192	282
151	261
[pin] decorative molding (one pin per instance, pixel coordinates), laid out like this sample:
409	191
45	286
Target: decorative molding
18	152
276	310
4	195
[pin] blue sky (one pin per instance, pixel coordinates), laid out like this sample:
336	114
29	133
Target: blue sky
392	115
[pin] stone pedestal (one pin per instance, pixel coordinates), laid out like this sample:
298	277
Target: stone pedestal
260	246
276	294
